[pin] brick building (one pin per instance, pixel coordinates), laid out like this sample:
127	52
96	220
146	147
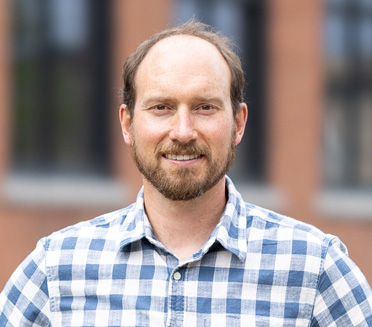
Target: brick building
306	154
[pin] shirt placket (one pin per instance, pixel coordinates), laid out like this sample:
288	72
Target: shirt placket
176	296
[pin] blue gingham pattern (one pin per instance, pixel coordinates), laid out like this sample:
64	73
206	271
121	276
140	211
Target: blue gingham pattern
258	268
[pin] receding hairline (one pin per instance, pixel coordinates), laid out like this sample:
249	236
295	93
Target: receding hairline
224	45
183	36
157	47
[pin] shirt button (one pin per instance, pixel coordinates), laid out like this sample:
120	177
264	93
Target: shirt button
177	275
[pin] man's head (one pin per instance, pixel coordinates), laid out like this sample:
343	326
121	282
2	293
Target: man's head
191	28
184	130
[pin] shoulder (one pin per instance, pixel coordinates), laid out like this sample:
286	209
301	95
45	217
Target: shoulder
282	234
270	220
294	235
91	233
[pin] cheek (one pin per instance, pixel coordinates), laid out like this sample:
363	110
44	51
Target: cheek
219	131
145	133
220	140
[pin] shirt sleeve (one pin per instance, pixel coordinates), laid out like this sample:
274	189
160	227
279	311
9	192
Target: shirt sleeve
25	300
344	297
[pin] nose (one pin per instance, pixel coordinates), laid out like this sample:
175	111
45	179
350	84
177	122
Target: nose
183	129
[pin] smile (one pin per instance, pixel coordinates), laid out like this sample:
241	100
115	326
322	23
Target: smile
182	157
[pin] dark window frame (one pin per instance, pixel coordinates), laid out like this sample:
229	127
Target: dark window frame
61	97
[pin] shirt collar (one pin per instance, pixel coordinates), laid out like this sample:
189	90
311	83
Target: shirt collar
231	231
133	225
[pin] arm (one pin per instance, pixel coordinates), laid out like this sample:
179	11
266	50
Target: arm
344	297
25	299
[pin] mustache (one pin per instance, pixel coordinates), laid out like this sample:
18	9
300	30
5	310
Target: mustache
178	148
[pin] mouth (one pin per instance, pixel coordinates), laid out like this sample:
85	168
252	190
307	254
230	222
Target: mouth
182	157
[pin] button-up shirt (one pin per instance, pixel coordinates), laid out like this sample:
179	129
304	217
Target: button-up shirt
257	268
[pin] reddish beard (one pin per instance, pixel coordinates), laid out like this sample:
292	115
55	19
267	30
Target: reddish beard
183	183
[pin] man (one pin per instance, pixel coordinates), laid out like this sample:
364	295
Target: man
190	251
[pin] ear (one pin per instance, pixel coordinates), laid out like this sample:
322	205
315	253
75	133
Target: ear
125	122
240	122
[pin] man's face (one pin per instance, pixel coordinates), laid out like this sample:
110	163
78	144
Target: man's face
183	132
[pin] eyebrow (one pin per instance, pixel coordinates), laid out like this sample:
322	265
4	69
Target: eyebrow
202	99
155	99
212	99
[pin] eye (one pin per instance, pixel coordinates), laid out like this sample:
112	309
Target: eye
206	109
160	107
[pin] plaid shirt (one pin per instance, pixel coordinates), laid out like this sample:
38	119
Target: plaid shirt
257	268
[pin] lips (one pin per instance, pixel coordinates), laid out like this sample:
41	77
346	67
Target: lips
182	157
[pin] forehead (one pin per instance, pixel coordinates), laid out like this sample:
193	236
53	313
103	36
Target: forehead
184	54
186	43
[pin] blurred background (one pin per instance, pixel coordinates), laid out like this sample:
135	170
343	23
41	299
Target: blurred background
307	151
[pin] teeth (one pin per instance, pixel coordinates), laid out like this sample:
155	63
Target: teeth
181	157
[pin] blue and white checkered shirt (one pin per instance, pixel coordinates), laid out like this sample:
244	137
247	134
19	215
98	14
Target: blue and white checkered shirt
257	268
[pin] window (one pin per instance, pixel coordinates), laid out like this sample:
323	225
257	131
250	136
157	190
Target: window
348	126
244	22
61	86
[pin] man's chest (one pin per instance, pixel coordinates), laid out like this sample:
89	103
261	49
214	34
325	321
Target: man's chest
219	290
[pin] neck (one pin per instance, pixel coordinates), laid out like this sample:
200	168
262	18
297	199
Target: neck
184	226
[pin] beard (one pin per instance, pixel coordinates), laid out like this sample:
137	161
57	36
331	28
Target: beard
180	183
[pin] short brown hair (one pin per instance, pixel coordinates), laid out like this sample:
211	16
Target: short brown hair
192	28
